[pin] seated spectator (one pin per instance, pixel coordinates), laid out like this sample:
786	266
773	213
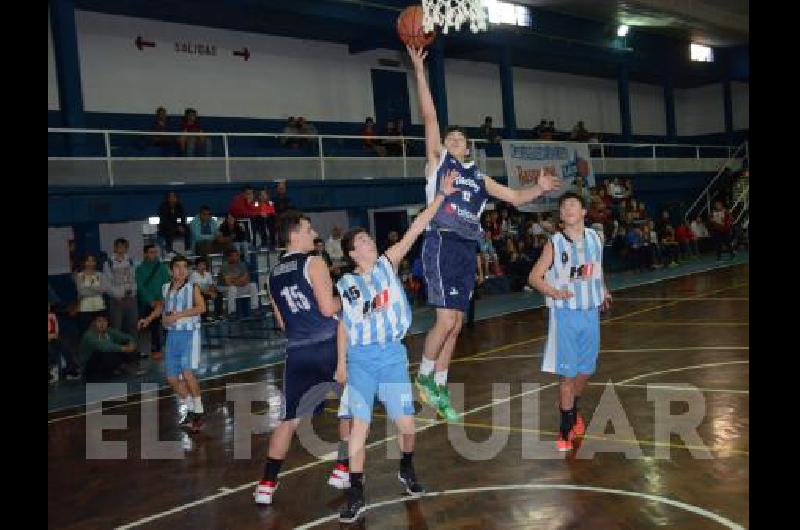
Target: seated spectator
191	145
243	206
234	234
686	241
616	190
171	222
104	350
514	265
600	230
264	221
662	223
393	147
597	214
150	275
721	224
488	256
700	233
488	133
57	353
203	278
234	280
334	245
547	224
123	308
669	246
636	253
306	129
290	129
579	133
605	197
165	143
91	285
652	244
282	205
204	233
627	187
370	143
319	250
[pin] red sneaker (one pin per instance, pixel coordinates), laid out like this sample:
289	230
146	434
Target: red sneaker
264	492
579	428
340	477
563	445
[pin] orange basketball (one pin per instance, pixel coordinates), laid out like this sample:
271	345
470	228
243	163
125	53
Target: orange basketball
409	28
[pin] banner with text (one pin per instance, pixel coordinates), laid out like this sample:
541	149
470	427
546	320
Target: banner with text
566	160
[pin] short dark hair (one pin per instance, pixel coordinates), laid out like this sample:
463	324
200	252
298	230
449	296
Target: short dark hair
177	259
291	222
318	240
148	247
231	251
347	242
455	128
247	187
205	208
121	241
571	195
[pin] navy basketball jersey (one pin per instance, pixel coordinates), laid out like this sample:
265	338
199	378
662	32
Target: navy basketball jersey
461	211
291	290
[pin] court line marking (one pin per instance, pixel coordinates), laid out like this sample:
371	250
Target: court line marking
668	387
654	323
667	298
702	512
684	368
332	455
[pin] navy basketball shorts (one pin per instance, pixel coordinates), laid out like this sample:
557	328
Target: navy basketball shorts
449	266
308	378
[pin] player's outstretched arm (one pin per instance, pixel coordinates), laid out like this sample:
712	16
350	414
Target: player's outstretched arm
397	252
536	277
341	352
433	140
322	285
544	183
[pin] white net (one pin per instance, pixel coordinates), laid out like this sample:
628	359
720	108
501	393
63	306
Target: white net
454	13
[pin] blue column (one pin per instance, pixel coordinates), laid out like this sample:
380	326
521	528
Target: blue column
728	104
669	107
436	81
624	102
68	71
507	92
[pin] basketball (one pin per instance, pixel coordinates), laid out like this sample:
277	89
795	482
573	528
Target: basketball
409	28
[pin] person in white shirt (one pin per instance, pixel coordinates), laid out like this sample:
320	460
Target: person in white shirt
700	233
203	278
334	245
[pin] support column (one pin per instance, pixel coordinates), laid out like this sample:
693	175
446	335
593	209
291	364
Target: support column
507	92
624	102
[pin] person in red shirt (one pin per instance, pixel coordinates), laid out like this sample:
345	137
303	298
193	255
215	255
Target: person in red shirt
191	145
265	218
243	206
721	225
685	238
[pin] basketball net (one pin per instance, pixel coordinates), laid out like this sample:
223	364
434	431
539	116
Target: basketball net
454	13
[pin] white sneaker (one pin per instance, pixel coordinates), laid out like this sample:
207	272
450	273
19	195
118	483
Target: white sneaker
340	477
264	492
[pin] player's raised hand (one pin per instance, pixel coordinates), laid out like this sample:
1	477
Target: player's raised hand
562	294
417	56
448	182
548	182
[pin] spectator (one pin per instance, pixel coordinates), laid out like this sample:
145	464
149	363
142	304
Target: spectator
636	253
234	280
394	147
547	224
370	143
234	234
264	224
721	230
290	129
122	306
57	353
319	250
652	244
150	275
661	224
165	143
91	286
74	261
489	264
488	133
203	278
334	245
282	205
686	241
514	266
700	233
191	145
171	222
669	246
539	130
615	189
306	129
605	197
579	133
104	350
535	227
243	206
627	187
204	233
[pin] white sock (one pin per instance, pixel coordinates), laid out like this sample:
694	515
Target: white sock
426	366
440	378
189	402
198	405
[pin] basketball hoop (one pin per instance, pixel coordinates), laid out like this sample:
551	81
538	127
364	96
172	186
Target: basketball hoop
447	13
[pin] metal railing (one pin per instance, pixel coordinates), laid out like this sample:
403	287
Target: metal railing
115	157
742	203
706	193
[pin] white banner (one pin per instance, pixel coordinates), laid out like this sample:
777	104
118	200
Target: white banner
568	161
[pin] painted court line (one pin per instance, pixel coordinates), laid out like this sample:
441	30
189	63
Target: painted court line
684	368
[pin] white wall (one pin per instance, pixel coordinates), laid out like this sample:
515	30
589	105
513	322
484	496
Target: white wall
52	82
699	110
473	92
740	94
647	109
566	99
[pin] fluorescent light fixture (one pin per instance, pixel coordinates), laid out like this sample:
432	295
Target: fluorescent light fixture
622	31
154	220
700	53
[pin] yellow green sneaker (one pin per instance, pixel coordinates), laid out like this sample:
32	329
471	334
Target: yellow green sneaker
427	390
445	409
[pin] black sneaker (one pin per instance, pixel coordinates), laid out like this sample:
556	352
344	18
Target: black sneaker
355	506
197	421
409	479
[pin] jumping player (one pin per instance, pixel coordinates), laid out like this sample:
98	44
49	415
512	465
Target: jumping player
180	311
375	318
569	274
301	291
448	251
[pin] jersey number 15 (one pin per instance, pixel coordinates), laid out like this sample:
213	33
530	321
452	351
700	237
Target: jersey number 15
296	299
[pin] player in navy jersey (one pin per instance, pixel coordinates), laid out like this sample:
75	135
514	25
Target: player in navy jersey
569	274
375	318
305	307
448	251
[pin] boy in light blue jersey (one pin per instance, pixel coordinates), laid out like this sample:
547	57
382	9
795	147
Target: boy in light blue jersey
569	274
372	358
